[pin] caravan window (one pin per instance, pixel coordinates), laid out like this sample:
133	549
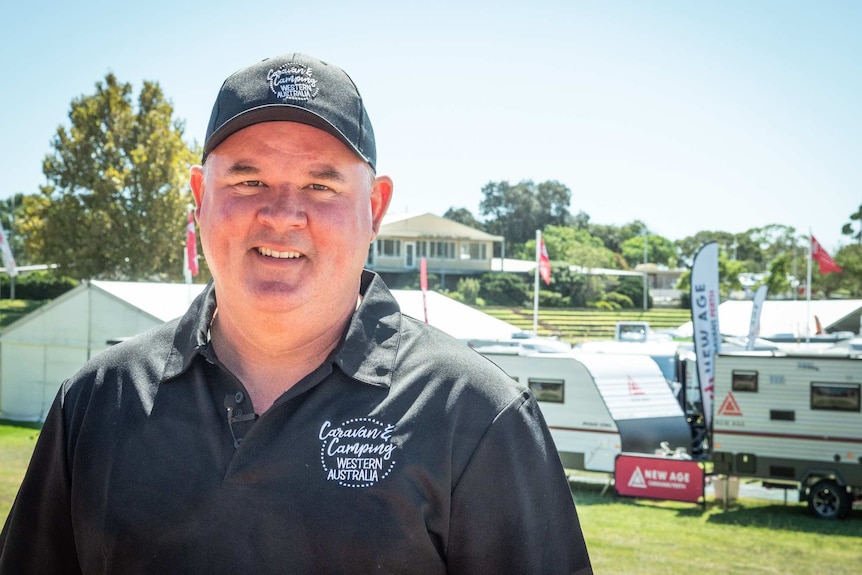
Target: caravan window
744	380
835	397
547	389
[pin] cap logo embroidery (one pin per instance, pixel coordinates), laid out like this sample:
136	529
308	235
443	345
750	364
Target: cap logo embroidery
292	82
357	453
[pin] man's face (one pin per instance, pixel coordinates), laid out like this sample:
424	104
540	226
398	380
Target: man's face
286	214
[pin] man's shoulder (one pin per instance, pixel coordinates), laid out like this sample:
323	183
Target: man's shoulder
451	362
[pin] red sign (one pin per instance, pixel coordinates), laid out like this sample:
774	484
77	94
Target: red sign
729	406
655	477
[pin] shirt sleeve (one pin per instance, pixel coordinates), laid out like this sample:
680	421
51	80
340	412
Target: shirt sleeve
38	536
512	509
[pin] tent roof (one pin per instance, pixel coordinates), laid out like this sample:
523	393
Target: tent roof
458	320
780	317
163	301
166	301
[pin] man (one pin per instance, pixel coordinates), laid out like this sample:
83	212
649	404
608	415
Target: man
293	420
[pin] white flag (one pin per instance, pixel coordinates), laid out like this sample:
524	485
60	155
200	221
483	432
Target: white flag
705	298
756	308
8	259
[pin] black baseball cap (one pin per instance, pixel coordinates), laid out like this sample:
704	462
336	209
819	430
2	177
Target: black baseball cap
293	88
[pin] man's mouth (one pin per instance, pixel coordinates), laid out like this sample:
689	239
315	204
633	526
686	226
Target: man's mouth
280	255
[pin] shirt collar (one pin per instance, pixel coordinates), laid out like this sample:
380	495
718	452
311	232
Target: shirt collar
366	353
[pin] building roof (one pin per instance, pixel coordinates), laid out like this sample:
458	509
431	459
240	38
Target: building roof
527	266
431	226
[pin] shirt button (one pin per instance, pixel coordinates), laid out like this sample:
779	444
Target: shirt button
239	397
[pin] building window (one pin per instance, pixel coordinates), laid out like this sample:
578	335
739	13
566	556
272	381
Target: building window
550	390
473	251
389	248
441	250
835	397
744	380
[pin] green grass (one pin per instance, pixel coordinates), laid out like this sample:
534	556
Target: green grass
642	537
13	310
16	444
645	537
576	324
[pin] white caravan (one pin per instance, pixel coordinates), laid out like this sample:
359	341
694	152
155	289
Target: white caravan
793	421
599	405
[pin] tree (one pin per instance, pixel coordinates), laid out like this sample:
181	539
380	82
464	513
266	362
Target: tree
516	212
848	230
778	282
659	250
115	206
463	216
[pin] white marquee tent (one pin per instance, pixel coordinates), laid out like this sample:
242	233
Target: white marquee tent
47	346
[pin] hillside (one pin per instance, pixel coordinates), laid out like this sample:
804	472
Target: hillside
577	325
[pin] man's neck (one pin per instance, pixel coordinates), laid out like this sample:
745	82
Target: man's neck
271	355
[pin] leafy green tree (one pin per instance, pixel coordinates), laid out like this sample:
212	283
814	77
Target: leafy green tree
516	212
463	216
689	246
115	206
848	282
855	219
572	246
778	280
659	250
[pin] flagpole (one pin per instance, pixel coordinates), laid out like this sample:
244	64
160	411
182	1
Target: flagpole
808	288
536	283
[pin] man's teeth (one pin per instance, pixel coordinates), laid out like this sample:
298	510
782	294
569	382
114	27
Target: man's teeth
274	254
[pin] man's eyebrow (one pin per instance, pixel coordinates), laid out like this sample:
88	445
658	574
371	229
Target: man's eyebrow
240	169
327	173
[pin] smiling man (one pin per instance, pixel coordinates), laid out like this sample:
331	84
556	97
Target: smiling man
293	420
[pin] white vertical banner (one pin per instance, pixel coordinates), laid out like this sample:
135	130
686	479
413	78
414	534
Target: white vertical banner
754	324
706	334
8	259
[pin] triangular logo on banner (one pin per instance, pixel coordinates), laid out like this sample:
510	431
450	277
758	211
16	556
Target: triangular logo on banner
729	406
634	388
637	479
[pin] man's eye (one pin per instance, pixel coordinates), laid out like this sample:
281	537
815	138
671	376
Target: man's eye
319	187
253	183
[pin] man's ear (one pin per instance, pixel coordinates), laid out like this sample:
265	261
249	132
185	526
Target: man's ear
196	183
381	195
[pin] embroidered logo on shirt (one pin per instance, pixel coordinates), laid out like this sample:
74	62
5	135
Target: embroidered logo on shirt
292	82
357	453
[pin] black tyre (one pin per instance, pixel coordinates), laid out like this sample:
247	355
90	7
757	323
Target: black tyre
828	500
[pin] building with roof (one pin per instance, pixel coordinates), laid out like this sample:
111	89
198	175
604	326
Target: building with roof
448	247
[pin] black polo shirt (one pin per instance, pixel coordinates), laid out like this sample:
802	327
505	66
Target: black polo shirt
404	452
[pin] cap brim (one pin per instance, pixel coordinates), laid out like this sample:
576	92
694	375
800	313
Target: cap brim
276	113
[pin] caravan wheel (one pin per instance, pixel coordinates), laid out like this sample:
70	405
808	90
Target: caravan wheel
828	500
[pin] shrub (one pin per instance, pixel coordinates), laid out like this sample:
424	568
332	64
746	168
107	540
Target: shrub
39	285
498	288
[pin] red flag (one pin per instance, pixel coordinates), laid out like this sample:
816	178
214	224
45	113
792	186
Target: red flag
192	245
824	260
544	263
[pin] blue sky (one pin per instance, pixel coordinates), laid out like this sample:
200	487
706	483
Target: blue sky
687	115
